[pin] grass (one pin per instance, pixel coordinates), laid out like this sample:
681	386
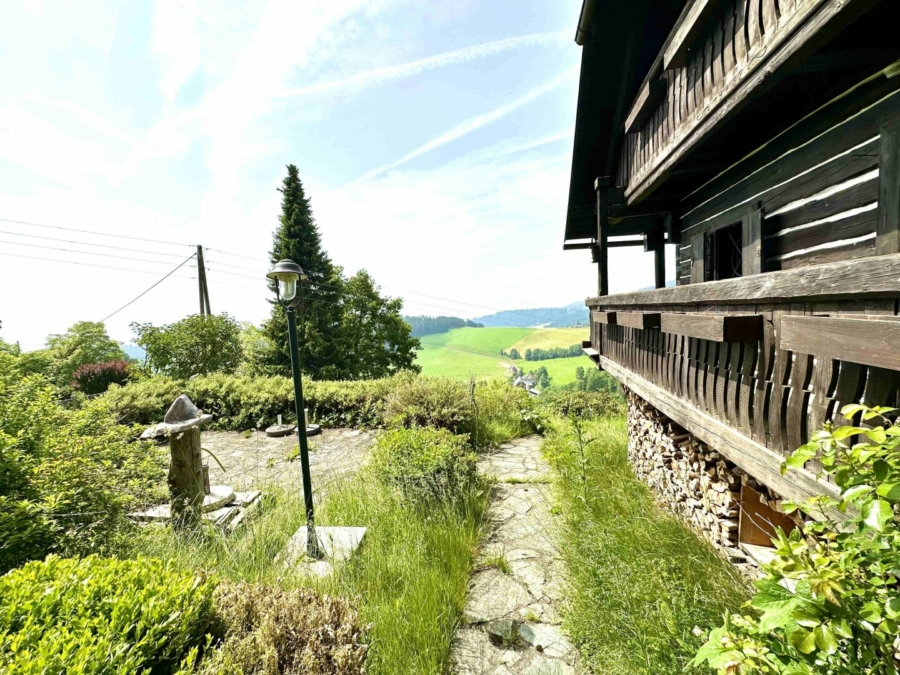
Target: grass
639	579
487	340
408	580
497	560
547	338
476	351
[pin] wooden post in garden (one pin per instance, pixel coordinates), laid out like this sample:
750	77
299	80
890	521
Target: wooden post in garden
186	482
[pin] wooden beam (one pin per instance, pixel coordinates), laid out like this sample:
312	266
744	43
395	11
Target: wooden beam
751	238
870	343
647	99
887	238
642	320
576	247
602	250
624	213
715	327
604	317
757	460
693	23
865	278
623	243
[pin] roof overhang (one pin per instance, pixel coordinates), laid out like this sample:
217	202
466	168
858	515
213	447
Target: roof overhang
621	45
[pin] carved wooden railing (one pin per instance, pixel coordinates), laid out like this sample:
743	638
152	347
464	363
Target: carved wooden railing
755	365
717	56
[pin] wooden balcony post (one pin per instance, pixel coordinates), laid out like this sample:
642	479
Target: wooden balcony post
654	241
601	185
888	224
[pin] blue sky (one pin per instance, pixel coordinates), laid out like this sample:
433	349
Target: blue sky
433	138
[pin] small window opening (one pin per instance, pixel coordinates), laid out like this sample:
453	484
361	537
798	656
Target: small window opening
725	258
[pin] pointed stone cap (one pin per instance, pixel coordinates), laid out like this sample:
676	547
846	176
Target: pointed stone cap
183	415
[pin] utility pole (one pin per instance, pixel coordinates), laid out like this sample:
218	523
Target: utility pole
201	279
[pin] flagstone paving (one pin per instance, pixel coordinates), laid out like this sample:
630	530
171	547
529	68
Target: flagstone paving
512	620
257	461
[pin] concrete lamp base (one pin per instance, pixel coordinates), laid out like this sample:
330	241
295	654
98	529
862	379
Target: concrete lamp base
337	545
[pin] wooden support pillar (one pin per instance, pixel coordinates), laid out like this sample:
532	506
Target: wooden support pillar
672	226
655	243
602	247
751	236
888	226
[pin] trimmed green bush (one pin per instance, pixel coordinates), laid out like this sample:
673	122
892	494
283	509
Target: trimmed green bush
424	401
424	462
239	403
97	615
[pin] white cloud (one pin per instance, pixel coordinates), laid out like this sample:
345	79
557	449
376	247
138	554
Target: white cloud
381	76
472	124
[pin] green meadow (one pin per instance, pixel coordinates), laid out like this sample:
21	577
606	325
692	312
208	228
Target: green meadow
463	352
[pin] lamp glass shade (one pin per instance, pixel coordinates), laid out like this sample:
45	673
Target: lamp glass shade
288	287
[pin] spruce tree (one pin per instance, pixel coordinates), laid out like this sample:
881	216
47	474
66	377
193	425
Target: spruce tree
297	238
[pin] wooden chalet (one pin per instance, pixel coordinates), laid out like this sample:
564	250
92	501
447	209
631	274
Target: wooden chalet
761	138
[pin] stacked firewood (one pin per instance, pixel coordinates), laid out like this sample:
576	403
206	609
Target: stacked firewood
691	479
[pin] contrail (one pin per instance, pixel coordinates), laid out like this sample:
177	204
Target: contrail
379	76
470	125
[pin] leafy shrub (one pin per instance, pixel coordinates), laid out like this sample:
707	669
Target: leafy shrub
98	615
425	401
67	477
196	345
830	599
269	630
95	378
585	404
424	462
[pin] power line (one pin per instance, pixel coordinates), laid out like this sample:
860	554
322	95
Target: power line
236	255
182	264
237	267
102	234
102	255
86	243
72	262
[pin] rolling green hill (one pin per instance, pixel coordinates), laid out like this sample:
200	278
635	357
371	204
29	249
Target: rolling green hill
476	351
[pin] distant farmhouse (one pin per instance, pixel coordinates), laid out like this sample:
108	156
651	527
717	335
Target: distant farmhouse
761	140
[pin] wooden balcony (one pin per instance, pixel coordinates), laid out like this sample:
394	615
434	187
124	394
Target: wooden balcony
719	56
754	365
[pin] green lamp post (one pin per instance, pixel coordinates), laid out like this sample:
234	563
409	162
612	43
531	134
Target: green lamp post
287	276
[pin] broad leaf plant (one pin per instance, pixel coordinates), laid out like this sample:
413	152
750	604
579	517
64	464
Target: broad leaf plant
829	601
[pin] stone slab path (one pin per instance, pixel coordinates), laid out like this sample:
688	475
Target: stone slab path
257	461
512	615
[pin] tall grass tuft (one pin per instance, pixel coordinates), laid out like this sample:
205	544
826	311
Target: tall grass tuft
639	579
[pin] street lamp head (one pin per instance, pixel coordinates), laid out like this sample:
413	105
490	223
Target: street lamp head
286	274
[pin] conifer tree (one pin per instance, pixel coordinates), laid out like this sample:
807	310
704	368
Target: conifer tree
297	238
